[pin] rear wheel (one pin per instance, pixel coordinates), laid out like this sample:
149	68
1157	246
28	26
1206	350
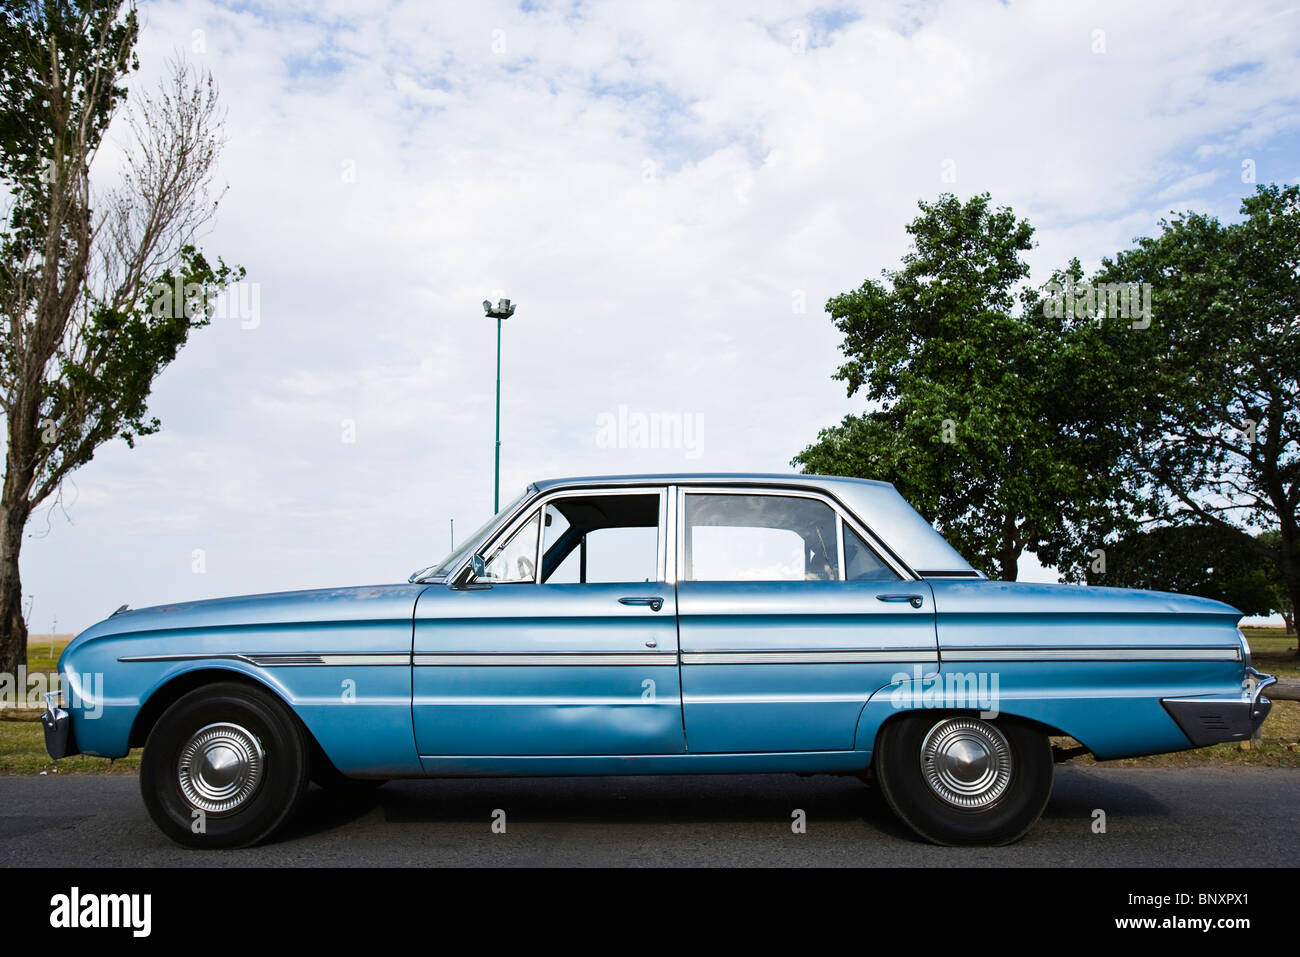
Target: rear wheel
958	779
225	766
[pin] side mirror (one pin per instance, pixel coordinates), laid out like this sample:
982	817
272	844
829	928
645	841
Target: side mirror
478	566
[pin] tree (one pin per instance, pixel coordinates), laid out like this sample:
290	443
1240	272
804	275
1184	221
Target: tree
1271	541
87	273
993	421
1207	560
1218	437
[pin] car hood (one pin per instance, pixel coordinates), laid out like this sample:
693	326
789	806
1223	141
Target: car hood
363	603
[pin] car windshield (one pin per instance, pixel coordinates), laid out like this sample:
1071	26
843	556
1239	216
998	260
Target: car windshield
444	567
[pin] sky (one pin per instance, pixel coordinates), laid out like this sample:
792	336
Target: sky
668	192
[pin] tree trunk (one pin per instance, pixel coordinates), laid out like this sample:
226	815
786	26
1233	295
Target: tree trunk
1009	564
1286	689
13	629
15	508
1009	552
1290	562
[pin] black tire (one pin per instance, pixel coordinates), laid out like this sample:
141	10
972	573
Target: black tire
222	726
1007	794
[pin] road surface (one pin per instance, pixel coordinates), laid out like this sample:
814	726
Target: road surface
1153	817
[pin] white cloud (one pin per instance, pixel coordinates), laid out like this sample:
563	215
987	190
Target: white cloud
656	187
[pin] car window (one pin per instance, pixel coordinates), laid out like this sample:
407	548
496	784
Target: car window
457	555
759	538
861	564
516	560
601	539
623	554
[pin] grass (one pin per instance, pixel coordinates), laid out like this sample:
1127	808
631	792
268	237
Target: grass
22	742
22	751
43	651
1277	647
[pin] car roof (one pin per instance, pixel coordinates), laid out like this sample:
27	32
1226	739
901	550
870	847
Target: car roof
707	478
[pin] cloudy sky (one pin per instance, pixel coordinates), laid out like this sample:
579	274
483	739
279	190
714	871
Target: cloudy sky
670	192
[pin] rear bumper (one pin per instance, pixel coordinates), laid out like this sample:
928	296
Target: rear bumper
57	724
1214	719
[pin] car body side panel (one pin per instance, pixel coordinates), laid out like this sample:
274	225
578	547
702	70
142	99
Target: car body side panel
340	658
563	669
802	762
1091	662
787	666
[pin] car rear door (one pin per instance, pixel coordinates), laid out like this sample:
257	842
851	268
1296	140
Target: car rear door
789	619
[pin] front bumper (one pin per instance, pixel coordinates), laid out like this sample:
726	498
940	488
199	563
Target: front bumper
58	729
1215	719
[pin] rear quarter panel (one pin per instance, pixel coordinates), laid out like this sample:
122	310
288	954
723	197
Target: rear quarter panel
1093	663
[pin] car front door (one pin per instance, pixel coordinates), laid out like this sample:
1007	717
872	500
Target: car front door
564	644
789	620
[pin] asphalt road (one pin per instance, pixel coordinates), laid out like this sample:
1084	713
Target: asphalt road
1155	818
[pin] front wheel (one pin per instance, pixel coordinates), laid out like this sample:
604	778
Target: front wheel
225	766
957	779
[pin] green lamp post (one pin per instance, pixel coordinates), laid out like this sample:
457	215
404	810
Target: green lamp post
504	309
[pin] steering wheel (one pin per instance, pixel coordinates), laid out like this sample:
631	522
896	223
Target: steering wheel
526	567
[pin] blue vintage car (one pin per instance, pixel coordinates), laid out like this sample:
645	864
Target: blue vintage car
660	624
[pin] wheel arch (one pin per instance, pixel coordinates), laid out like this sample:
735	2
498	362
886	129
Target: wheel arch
177	686
880	710
1031	723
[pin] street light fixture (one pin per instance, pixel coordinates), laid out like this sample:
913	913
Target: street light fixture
504	309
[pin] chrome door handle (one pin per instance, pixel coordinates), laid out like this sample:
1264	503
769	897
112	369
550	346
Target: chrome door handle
654	602
914	600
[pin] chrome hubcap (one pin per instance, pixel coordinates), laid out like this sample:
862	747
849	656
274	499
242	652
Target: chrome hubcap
966	762
220	768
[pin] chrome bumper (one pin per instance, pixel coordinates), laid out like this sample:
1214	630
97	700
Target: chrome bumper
58	728
1214	719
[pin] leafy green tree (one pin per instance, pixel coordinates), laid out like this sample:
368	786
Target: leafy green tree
1217	437
86	273
990	413
1212	561
1271	541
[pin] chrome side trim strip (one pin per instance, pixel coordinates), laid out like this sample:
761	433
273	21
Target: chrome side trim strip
555	659
199	657
334	659
820	657
286	659
858	699
1084	653
495	701
774	657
